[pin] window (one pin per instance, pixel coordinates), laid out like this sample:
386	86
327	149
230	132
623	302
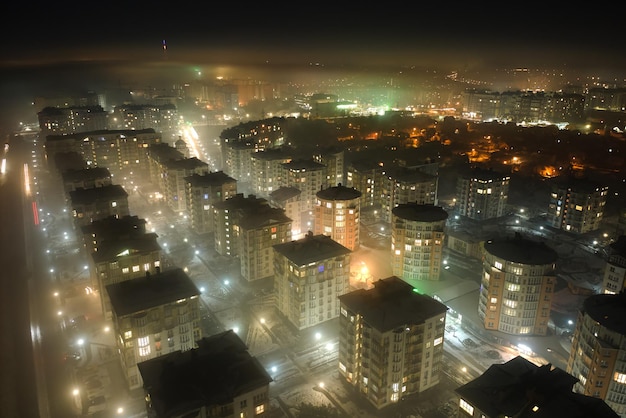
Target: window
466	407
259	409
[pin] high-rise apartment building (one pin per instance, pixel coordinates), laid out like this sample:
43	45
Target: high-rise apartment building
577	204
226	217
390	341
404	185
337	214
288	199
482	194
256	232
333	159
92	204
614	280
218	379
202	191
519	388
123	258
417	238
598	354
267	170
309	275
519	276
153	315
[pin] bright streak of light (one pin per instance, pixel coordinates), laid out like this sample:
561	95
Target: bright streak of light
26	180
35	213
3	166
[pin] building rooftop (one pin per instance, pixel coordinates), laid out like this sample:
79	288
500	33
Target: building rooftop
339	192
408	175
519	388
80	136
115	227
272	154
391	303
420	213
82	196
239	201
303	165
215	178
149	291
285	193
264	216
185	164
218	371
92	173
608	310
311	249
480	173
113	249
521	250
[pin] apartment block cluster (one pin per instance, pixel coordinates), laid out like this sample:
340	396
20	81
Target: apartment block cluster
300	227
532	106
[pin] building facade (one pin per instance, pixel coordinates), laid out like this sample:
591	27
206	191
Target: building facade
519	388
202	191
598	354
153	315
218	379
390	341
309	275
482	194
417	239
614	280
577	205
519	276
337	214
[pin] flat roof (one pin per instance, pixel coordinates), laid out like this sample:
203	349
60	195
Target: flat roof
391	303
311	249
518	249
136	295
215	373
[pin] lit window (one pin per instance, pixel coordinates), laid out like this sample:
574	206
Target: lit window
438	341
259	409
128	335
498	265
466	407
114	204
135	269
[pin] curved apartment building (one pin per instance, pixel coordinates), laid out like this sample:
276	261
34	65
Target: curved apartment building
517	286
598	354
417	235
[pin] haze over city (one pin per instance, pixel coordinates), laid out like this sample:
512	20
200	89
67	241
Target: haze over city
419	79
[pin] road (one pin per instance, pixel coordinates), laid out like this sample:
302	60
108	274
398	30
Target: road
22	381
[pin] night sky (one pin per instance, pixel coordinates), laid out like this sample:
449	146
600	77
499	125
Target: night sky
61	45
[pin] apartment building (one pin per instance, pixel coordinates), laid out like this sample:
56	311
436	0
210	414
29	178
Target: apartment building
218	378
309	275
152	315
577	204
202	190
614	280
98	203
390	341
288	199
598	354
256	233
520	388
118	259
403	185
482	194
417	240
337	214
517	287
267	170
